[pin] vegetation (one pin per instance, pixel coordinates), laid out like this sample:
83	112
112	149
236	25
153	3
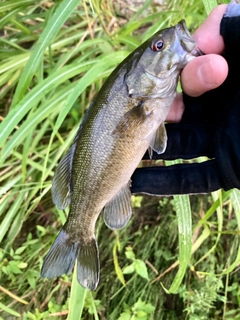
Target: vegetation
55	56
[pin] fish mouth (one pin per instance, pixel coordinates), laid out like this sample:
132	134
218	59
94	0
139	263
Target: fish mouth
187	41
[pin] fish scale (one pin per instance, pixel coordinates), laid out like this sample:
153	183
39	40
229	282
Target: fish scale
125	119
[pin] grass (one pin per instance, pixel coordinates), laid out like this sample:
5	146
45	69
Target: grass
178	258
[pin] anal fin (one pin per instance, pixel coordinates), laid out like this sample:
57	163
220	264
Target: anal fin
119	210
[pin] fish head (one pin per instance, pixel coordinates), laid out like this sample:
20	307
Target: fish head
159	60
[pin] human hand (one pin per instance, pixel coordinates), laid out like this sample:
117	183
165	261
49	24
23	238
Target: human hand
209	126
205	72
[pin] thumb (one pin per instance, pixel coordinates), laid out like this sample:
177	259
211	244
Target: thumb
203	74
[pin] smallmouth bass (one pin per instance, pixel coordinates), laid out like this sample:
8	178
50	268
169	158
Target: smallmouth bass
125	119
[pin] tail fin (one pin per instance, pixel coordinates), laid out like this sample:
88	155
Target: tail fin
88	266
61	258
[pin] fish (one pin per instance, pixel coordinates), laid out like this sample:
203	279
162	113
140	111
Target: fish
125	119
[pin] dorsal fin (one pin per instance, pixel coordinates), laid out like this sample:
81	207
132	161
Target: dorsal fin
61	185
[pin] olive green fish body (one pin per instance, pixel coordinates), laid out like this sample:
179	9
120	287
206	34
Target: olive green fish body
105	158
126	118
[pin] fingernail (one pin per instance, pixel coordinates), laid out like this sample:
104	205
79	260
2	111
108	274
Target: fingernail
206	73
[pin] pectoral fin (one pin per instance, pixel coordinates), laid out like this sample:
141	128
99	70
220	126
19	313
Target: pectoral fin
132	120
150	152
61	185
159	140
119	210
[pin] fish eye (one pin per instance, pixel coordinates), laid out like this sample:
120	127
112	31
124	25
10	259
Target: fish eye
157	45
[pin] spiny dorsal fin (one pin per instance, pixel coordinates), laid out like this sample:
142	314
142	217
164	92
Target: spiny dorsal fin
61	185
119	210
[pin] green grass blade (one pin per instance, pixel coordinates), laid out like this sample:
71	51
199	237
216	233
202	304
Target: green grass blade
118	270
214	207
54	24
205	234
9	5
8	16
15	46
21	27
235	198
9	310
28	126
86	80
77	298
9	185
218	199
184	218
7	221
14	63
209	5
32	98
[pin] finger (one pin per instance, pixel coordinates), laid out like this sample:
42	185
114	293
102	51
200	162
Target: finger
177	109
203	74
177	179
208	34
188	141
200	75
